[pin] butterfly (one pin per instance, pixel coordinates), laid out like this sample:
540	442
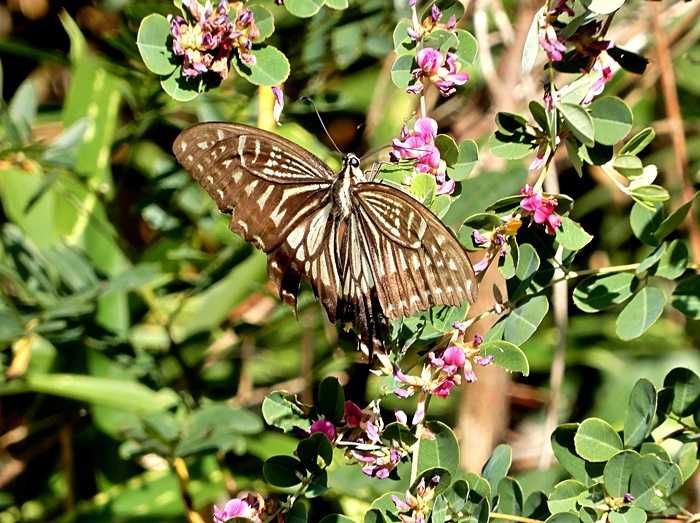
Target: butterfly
370	251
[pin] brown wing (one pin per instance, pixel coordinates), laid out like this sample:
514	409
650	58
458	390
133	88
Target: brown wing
267	183
416	261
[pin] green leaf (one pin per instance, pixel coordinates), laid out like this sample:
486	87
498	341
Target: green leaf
597	293
571	235
618	472
337	4
299	513
280	410
640	313
596	440
563	446
439	511
687	459
528	262
506	355
303	8
401	71
442	450
628	165
447	147
564	495
522	322
674	221
423	187
638	142
497	466
562	517
347	43
511	123
653	480
283	471
645	222
152	41
180	88
331	399
403	44
215	427
685	385
271	67
612	119
649	195
441	40
510	497
315	452
641	409
674	261
128	396
502	146
264	21
532	44
628	515
651	260
579	122
466	48
686	297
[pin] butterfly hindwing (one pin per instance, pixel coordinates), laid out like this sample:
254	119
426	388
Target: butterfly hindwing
417	261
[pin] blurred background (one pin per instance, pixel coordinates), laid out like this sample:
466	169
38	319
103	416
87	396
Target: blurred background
129	310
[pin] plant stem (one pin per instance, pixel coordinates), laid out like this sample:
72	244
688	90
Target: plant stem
183	477
416	27
415	453
510	517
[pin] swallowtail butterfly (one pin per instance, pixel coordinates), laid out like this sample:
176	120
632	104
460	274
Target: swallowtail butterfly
371	252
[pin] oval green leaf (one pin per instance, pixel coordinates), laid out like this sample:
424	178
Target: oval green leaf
640	313
596	440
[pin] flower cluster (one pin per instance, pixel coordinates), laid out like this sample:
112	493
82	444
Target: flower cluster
443	371
541	208
443	71
419	145
206	43
361	432
415	507
247	505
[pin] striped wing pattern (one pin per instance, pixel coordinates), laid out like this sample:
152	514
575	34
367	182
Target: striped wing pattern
388	257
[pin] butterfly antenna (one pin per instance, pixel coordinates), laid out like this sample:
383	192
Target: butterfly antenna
309	101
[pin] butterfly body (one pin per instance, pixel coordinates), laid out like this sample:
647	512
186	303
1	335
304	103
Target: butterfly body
370	251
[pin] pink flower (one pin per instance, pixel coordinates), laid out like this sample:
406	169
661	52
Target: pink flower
453	357
550	43
444	387
599	84
325	427
279	103
541	209
353	414
247	506
443	72
419	145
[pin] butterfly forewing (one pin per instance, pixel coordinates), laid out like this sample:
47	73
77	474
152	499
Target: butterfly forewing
267	183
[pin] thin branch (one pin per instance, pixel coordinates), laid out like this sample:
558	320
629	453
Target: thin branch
183	478
675	117
511	517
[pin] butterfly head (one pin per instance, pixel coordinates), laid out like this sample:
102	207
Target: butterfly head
352	161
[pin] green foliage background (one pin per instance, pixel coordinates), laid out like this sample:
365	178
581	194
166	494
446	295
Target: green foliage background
130	315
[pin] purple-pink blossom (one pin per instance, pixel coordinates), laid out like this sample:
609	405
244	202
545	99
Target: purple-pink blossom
540	208
325	427
206	43
247	506
419	144
442	71
550	43
278	95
